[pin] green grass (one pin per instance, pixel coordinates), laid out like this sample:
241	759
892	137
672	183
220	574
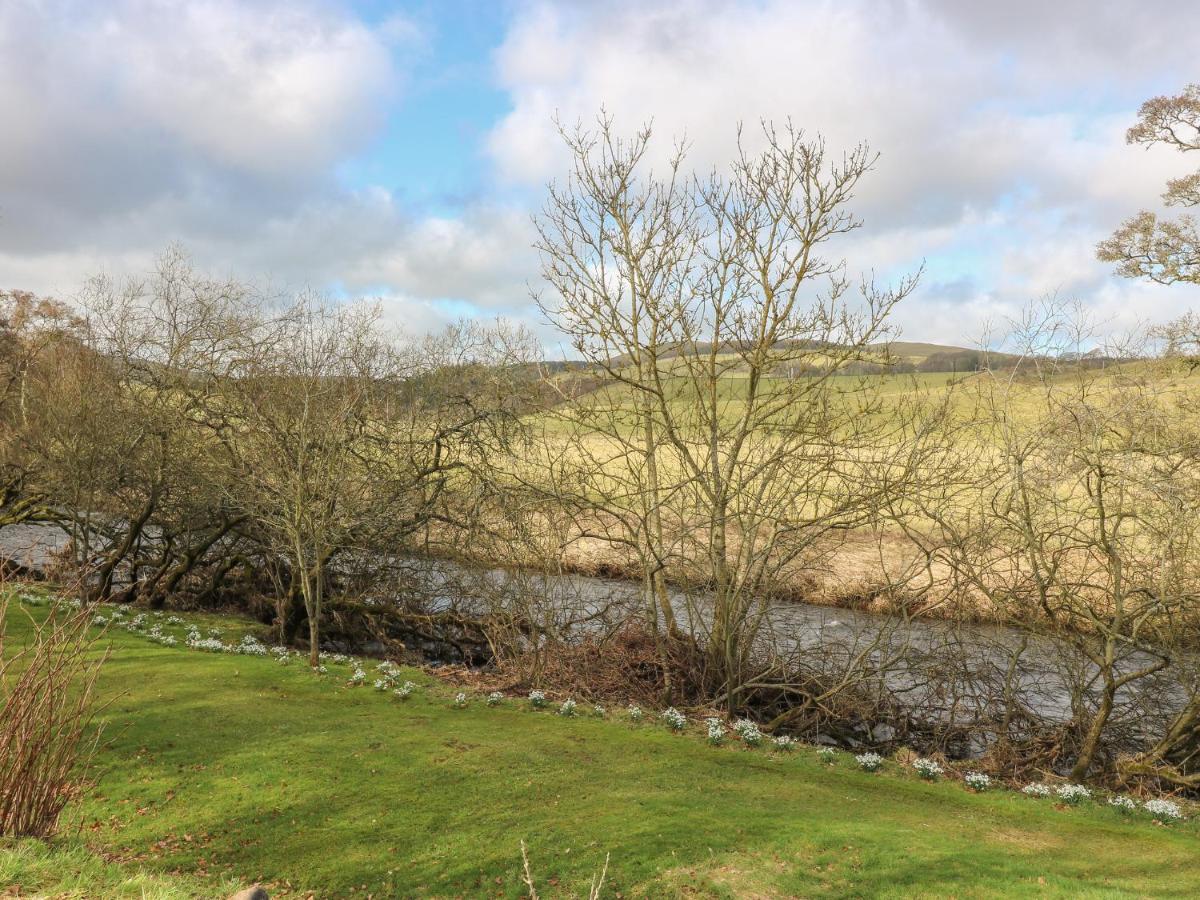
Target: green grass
221	768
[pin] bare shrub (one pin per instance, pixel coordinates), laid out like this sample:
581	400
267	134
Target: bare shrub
48	689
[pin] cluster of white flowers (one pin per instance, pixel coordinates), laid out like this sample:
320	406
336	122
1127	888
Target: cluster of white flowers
567	709
748	732
1037	789
334	657
716	730
174	620
537	699
250	646
405	690
210	644
137	623
99	620
675	720
1122	804
460	700
598	711
869	762
827	754
977	781
495	698
635	712
1163	810
928	769
358	676
157	635
785	742
1073	793
389	674
282	655
214	632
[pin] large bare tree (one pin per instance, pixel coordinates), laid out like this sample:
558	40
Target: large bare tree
728	435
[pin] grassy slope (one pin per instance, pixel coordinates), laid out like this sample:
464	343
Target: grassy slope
224	766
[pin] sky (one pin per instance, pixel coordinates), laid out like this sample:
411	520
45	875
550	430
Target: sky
399	150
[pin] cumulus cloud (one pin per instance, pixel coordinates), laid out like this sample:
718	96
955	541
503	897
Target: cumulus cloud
1000	128
228	125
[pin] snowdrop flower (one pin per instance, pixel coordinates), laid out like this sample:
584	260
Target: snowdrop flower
748	732
635	712
1037	789
977	781
869	762
495	698
928	769
827	754
598	711
460	700
404	690
99	620
716	731
567	709
537	699
1163	810
358	676
1073	793
674	718
784	742
1122	804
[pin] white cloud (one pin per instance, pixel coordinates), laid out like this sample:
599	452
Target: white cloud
224	124
1000	128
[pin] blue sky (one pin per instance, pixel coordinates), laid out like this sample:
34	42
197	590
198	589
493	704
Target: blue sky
398	150
431	150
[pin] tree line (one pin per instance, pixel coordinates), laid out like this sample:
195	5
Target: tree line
206	444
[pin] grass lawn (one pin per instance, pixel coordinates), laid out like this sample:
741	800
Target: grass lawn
221	768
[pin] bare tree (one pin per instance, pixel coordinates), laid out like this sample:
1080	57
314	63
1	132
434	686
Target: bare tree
1068	510
692	296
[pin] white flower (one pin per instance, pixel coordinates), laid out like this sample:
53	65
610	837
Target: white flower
674	718
977	781
99	620
495	698
928	769
1163	810
174	620
537	699
460	700
598	711
250	646
827	754
869	762
1073	793
716	730
1122	804
567	708
404	690
784	742
1037	789
358	676
748	732
635	712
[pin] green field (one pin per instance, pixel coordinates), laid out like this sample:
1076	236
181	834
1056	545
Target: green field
220	768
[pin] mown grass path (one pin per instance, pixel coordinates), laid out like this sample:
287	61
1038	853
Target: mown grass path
218	765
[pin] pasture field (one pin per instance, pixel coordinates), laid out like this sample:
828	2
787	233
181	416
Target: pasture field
219	769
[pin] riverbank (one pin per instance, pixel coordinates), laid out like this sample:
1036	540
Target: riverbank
223	766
